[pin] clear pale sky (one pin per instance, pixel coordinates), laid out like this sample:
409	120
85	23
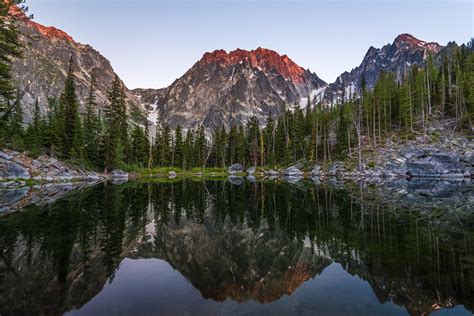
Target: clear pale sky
150	43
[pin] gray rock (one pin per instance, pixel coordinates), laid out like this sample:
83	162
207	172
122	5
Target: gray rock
292	172
468	158
332	171
411	153
443	157
236	168
251	170
316	171
5	156
435	169
13	170
119	174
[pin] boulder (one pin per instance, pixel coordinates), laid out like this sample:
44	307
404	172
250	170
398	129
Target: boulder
251	170
332	170
5	156
293	172
119	174
468	158
236	168
411	153
13	170
316	171
172	174
432	167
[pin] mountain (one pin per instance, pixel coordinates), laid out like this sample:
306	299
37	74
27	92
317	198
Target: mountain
43	68
397	58
227	88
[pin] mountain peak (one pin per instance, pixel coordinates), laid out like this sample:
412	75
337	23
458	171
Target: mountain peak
48	31
412	41
260	58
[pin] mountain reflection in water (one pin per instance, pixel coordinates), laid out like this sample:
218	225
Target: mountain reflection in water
269	247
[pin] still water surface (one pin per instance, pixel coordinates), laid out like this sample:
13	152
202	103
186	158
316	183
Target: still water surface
189	247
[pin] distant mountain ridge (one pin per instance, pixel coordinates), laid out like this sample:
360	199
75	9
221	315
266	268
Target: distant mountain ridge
226	88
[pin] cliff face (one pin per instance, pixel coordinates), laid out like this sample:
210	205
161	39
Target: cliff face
42	70
227	88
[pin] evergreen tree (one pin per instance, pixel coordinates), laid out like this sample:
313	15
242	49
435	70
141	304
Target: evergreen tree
117	128
15	124
10	49
139	151
92	131
179	148
72	123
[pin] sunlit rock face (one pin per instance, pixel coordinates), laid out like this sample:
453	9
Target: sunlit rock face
227	88
42	70
229	260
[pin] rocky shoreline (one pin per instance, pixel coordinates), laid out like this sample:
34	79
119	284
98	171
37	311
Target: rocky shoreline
441	157
18	169
448	157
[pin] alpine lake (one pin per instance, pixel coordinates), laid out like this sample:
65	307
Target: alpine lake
237	246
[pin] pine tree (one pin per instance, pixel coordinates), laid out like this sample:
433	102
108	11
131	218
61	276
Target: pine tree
15	124
117	128
34	132
10	48
139	152
91	127
179	149
72	123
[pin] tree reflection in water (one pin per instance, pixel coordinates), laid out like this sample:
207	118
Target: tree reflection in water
257	241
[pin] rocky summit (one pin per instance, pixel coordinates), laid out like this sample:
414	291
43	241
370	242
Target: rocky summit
227	88
397	58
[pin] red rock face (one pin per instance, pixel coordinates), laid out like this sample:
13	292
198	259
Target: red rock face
48	31
261	58
414	42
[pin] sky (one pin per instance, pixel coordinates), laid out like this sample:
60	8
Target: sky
150	43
